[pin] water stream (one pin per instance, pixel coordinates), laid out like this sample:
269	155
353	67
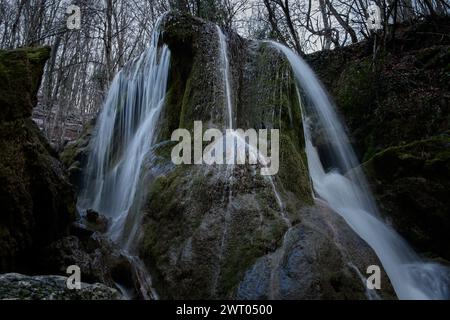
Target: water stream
343	187
225	65
125	133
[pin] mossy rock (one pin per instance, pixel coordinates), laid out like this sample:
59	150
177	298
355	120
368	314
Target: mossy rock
37	204
203	226
75	155
20	71
411	183
398	97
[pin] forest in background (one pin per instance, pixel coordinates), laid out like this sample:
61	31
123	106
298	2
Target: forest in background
84	61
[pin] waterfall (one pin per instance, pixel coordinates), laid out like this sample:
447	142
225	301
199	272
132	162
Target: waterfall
125	133
226	74
343	187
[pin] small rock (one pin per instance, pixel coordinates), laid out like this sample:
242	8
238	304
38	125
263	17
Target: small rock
92	216
96	221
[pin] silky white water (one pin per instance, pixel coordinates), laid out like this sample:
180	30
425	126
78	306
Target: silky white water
125	133
343	187
225	64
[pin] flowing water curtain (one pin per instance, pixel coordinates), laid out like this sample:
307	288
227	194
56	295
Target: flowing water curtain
124	136
343	187
226	75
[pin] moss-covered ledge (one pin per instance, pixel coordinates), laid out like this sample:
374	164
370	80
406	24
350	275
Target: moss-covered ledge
20	71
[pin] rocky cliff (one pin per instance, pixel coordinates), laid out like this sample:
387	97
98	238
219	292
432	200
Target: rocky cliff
228	232
37	204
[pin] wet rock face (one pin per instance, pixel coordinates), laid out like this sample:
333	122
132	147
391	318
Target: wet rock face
15	286
193	78
397	109
37	204
204	227
319	258
75	155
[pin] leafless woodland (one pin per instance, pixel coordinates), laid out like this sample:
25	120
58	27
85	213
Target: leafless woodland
83	61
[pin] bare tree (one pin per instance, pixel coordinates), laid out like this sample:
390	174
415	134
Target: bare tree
83	62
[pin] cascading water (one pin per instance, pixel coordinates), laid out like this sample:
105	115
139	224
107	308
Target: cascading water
124	136
226	74
344	189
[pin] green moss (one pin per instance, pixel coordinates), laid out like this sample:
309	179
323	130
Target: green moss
204	226
75	155
20	71
293	171
271	99
424	153
412	182
356	91
399	97
37	204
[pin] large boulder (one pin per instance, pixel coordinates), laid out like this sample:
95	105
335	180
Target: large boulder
318	258
205	228
36	199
